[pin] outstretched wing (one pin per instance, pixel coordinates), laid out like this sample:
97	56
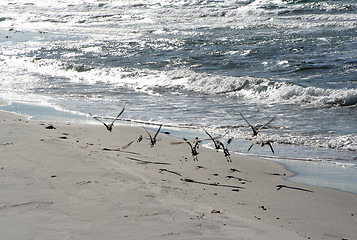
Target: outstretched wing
118	116
158	130
271	147
210	136
126	146
96	118
188	142
151	139
263	126
251	146
253	128
138	139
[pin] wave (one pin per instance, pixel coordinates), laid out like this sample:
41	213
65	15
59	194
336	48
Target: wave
247	88
227	10
183	81
345	142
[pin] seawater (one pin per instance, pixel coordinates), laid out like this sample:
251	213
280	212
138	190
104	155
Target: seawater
194	64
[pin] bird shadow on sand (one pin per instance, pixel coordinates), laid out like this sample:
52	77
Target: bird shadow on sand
210	184
147	162
119	150
295	188
169	171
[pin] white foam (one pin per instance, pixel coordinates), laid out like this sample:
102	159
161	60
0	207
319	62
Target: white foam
145	80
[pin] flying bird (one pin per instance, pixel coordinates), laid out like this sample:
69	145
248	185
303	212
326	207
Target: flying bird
138	139
225	149
108	126
217	145
257	129
262	144
194	145
153	139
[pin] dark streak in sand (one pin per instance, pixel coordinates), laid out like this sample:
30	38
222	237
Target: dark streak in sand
275	174
239	179
169	171
119	150
147	162
295	188
210	184
27	203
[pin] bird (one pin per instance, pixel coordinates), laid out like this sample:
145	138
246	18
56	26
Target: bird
217	146
262	143
194	145
153	139
225	149
138	139
108	126
257	129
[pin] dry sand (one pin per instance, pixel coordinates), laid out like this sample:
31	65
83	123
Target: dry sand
60	184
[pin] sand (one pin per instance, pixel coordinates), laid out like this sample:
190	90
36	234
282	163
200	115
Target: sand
73	181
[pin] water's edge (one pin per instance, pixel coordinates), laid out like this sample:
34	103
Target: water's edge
315	173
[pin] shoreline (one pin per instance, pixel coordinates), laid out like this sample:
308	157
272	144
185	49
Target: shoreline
61	182
339	177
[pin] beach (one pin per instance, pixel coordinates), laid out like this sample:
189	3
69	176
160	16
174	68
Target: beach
75	181
286	69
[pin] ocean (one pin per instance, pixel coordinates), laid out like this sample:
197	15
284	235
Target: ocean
194	65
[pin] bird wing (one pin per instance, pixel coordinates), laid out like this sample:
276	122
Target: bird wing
158	130
248	122
251	146
118	116
126	146
96	118
263	126
209	136
221	144
188	142
152	140
271	147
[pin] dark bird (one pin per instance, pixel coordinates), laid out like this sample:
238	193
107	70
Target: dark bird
225	149
108	126
262	144
217	145
257	129
153	139
138	139
194	145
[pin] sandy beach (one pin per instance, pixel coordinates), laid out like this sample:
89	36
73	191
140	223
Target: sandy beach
73	181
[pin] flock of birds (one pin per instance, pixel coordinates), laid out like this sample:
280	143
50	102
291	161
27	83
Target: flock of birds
195	143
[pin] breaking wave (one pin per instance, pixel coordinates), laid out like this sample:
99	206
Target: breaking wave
247	88
181	81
